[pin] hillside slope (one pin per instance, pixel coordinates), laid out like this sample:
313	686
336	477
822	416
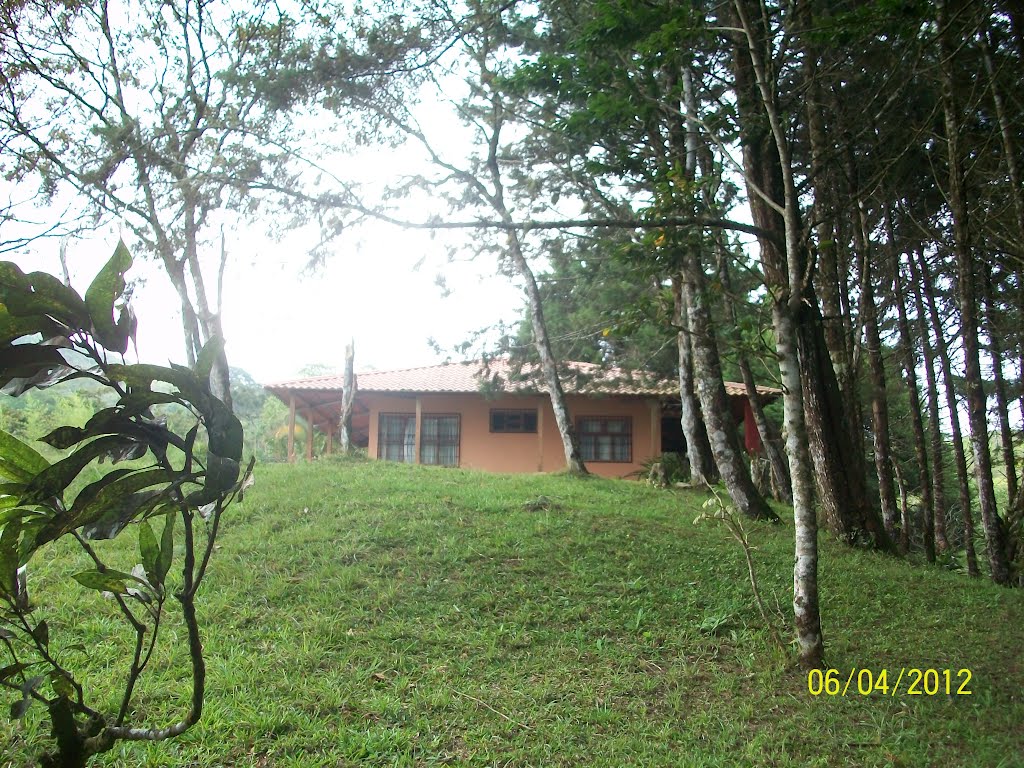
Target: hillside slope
385	615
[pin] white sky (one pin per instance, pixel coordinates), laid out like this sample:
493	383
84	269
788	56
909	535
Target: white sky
278	319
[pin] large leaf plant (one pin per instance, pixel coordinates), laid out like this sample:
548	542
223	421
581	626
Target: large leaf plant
166	489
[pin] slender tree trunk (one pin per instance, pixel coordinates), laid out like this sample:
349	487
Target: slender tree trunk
684	143
190	323
879	405
714	402
917	424
347	398
698	448
766	173
953	410
549	367
1006	131
905	522
770	438
495	197
952	12
839	469
935	447
1011	158
832	276
995	349
806	611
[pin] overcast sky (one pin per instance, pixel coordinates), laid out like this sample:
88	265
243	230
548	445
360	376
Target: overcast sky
380	287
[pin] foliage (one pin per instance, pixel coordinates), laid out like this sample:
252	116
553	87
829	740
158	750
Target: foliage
674	468
170	491
368	608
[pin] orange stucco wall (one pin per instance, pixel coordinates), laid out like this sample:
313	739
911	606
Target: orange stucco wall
524	452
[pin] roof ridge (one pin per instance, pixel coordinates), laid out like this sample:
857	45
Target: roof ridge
425	367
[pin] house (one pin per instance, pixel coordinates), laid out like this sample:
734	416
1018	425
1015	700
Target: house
491	417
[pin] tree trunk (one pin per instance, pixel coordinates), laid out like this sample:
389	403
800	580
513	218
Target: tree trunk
770	439
698	448
839	469
714	402
953	410
904	538
832	276
549	368
71	752
967	291
879	405
806	611
917	425
766	173
995	349
935	446
495	197
347	398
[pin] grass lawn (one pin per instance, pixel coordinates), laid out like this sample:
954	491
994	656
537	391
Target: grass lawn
372	614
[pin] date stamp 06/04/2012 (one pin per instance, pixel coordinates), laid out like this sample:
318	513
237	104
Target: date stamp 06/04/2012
907	681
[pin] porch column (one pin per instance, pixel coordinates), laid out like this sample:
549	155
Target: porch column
655	407
291	429
309	435
419	428
540	437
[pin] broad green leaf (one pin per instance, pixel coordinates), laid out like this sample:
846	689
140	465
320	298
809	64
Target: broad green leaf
13	327
115	421
104	581
101	498
63	438
29	361
9	556
53	480
18	460
42	378
11	489
225	432
41	633
221	473
224	429
150	552
61	684
106	288
208	356
139	401
163	565
40	293
20	707
122	511
31	525
13	669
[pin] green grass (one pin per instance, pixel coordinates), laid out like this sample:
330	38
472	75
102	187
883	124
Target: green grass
371	614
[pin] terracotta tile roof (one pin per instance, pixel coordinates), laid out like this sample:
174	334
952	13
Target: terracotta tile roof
581	378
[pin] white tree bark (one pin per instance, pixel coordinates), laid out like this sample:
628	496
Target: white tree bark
347	398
